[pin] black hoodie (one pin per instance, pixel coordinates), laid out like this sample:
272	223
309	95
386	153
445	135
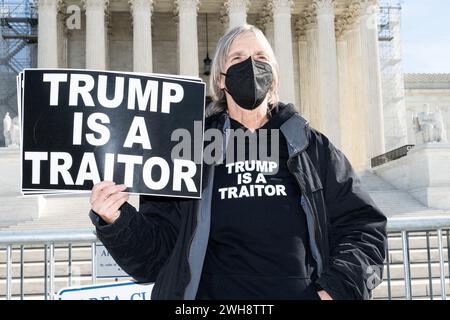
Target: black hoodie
258	244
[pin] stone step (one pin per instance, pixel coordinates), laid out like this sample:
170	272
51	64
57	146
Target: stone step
44	224
37	269
16	203
68	217
405	207
415	298
417	255
391	200
26	297
37	254
419	288
67	221
35	286
51	225
373	182
418	271
55	213
14	209
83	267
416	242
57	205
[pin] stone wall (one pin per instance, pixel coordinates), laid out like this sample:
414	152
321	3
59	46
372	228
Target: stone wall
424	173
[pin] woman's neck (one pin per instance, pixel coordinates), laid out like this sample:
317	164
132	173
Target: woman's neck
251	119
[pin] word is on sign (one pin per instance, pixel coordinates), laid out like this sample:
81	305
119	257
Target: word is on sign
115	291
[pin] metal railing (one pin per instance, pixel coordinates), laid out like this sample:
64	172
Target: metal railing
400	230
438	227
49	240
391	155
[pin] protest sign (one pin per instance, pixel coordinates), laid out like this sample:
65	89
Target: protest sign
80	127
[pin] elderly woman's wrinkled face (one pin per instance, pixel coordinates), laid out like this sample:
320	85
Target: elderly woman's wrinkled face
244	46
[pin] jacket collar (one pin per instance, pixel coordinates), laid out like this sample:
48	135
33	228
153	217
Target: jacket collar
295	130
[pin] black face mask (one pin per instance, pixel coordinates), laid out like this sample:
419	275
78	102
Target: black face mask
248	82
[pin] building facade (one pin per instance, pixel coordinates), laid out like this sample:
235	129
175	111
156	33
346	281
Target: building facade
427	92
327	51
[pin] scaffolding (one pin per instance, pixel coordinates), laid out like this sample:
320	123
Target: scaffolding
18	23
389	36
384	28
18	39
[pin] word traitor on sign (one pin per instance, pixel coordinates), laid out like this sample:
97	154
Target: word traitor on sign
81	127
113	291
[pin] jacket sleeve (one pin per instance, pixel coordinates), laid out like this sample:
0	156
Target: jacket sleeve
141	241
357	232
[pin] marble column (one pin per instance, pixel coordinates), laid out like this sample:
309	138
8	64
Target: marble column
237	12
48	33
314	112
356	127
304	67
343	87
281	11
265	23
187	37
62	39
95	34
372	72
328	68
141	11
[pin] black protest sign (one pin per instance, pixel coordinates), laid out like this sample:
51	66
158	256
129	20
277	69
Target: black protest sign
81	127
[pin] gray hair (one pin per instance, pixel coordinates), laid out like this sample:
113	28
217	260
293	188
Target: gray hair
219	102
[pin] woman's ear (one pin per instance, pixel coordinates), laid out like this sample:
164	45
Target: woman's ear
222	82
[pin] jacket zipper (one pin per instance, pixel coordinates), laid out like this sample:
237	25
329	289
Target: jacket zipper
194	233
308	203
188	251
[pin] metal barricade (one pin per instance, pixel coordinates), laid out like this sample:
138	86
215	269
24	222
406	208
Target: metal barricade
407	228
401	231
48	241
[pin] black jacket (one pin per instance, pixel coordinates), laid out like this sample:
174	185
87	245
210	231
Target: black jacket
165	242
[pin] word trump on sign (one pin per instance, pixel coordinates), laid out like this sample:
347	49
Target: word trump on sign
81	127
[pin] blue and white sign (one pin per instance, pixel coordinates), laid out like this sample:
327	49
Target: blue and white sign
114	291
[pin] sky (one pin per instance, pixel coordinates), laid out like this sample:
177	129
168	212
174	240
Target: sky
426	36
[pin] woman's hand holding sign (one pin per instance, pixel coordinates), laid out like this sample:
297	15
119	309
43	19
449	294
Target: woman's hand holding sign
106	199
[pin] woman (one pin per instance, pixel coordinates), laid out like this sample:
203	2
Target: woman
305	230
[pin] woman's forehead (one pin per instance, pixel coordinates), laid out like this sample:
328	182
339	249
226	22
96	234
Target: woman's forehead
248	41
240	52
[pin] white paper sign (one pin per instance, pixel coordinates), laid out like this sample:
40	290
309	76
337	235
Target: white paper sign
106	266
114	291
